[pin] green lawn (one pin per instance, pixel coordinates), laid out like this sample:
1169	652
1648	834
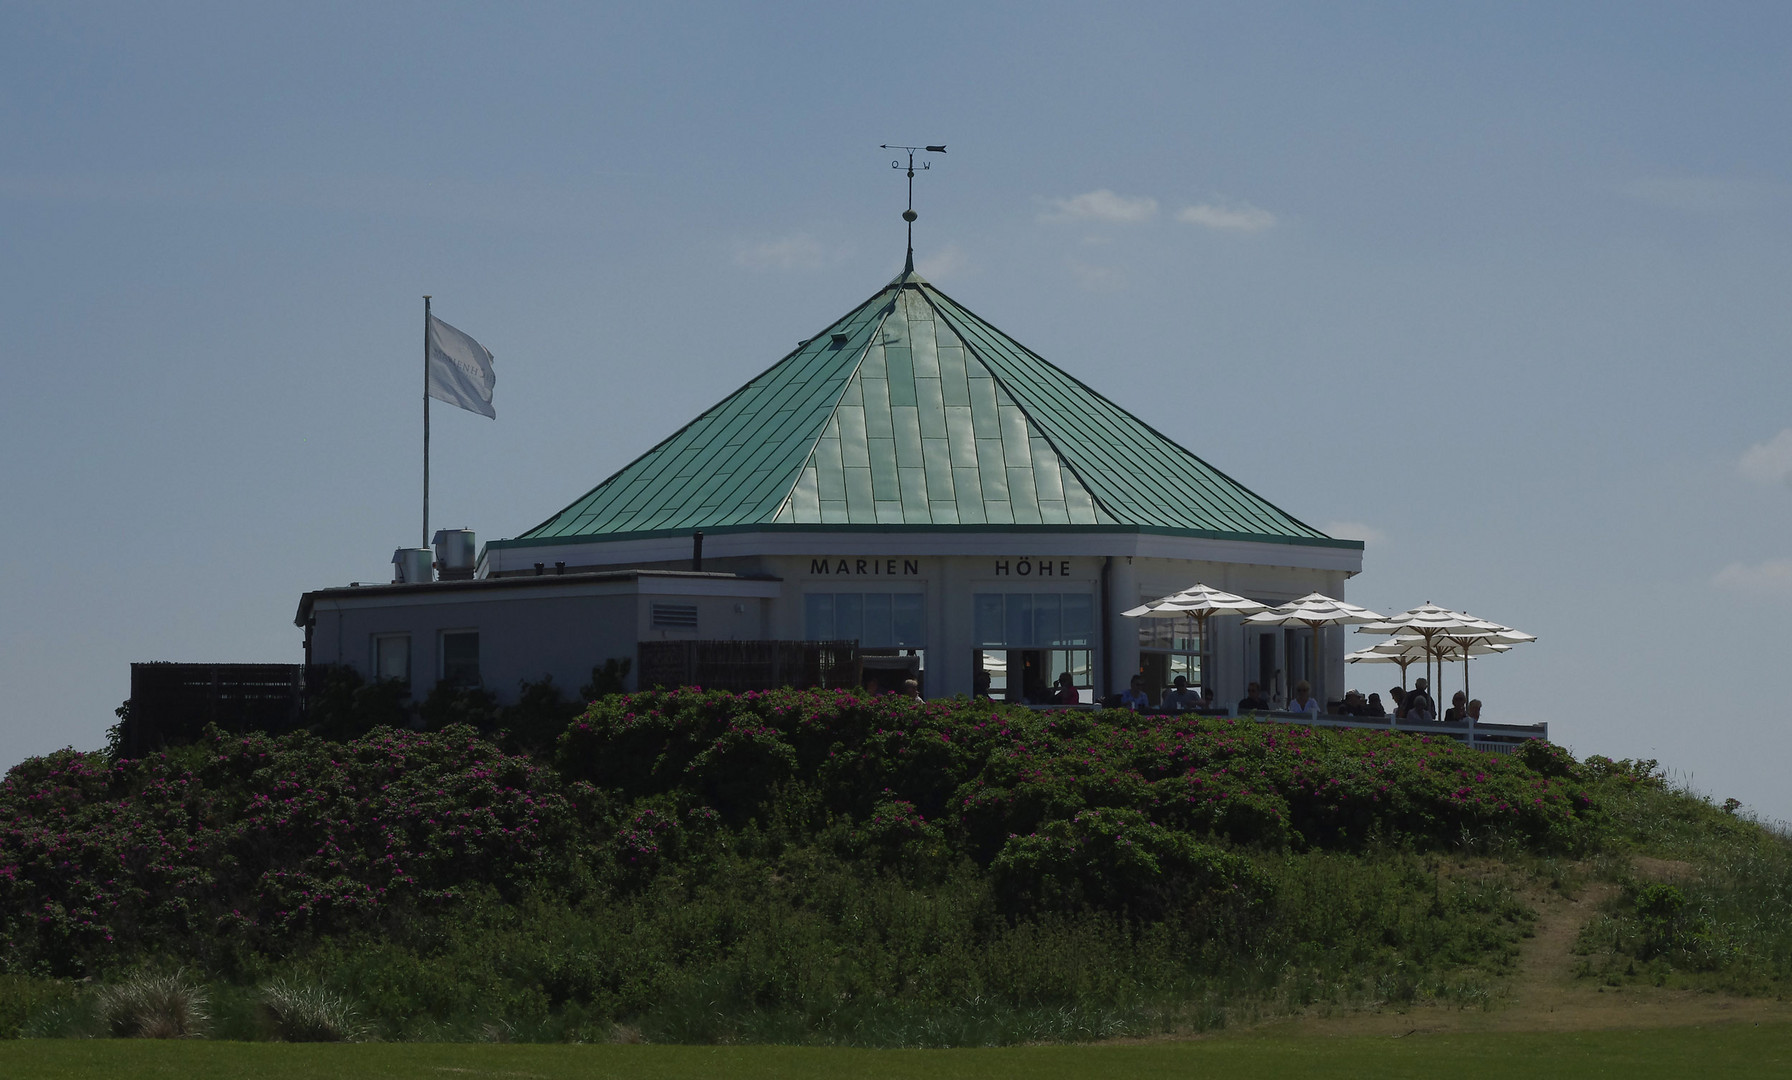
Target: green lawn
1709	1052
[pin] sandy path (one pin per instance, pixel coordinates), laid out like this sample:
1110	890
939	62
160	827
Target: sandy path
1544	996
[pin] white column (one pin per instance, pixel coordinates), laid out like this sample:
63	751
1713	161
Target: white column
1123	651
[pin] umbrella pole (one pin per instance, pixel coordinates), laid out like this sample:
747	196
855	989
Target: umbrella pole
1318	669
1201	629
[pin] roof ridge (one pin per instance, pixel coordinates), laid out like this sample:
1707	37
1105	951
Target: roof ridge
1185	451
724	399
845	384
1064	461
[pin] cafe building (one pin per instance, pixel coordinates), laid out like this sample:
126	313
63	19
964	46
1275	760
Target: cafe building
910	478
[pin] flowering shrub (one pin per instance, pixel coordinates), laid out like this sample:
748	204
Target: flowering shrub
261	842
1118	860
241	846
987	772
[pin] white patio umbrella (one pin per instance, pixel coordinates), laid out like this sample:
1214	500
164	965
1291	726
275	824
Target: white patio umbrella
1316	610
1198	602
1491	638
1429	622
1371	656
1409	649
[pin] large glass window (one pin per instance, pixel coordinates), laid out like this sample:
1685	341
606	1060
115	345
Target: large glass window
1031	675
1168	648
874	620
1034	620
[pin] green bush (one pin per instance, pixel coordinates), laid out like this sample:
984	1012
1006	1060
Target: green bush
22	998
1116	860
835	868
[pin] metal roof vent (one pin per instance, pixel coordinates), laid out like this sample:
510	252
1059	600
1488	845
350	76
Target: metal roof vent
837	339
411	566
455	554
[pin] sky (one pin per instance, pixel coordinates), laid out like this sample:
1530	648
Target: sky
1504	291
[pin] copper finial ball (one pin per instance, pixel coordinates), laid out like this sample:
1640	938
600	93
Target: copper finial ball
909	215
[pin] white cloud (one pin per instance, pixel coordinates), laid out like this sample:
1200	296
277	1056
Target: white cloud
1770	578
1354	530
942	264
1236	217
1103	205
1768	462
1097	278
798	251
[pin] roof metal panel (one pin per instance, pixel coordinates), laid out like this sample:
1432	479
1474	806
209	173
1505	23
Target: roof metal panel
883	471
925	414
860	503
930	407
937	460
908	436
855	447
877	409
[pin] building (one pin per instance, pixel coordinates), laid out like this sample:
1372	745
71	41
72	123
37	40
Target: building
910	478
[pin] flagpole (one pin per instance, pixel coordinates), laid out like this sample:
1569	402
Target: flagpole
425	421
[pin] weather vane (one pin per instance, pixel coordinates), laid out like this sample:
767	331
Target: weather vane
909	215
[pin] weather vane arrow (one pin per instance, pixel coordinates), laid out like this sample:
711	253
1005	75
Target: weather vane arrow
909	215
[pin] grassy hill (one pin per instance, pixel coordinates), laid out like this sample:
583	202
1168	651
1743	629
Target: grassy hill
819	867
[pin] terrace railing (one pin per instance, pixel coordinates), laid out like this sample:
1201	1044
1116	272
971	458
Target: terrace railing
1495	738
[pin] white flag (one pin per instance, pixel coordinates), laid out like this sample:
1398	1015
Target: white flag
460	369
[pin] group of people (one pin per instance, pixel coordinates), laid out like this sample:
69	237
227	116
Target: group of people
1416	704
1180	697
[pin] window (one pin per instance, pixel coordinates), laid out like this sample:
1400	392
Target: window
392	658
874	620
1032	674
460	657
1035	620
675	616
1168	648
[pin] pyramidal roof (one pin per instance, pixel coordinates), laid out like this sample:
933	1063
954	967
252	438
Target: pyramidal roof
910	411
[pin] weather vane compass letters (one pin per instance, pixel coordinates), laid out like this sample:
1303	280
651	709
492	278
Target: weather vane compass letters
909	215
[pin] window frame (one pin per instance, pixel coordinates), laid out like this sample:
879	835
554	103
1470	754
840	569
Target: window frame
442	637
410	667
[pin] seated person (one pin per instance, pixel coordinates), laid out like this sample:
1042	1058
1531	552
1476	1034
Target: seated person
1418	703
911	688
980	683
1181	697
1064	691
1253	700
1397	694
1303	700
1352	704
1135	698
1375	707
1474	711
1458	710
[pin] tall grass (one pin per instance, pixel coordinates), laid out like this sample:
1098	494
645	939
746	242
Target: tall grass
1731	926
149	1006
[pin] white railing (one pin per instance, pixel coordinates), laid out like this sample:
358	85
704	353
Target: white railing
1495	738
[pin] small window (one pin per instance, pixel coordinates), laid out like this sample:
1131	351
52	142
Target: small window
460	657
675	616
392	658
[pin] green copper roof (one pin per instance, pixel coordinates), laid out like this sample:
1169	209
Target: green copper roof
912	411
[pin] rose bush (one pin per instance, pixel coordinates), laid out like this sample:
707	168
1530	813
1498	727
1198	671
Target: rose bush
259	842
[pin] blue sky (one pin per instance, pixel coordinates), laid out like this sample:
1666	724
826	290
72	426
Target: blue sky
1501	290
